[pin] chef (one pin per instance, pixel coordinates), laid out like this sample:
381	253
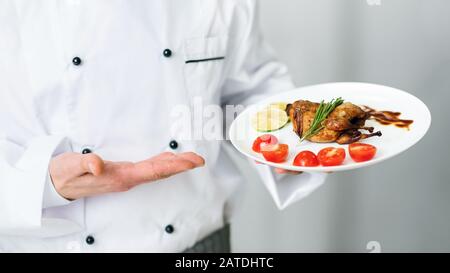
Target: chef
88	159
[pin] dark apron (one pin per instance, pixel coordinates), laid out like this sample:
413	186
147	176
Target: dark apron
216	242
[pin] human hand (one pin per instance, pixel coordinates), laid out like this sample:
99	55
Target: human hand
80	175
282	171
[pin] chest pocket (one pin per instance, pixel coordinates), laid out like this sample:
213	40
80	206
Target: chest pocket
204	65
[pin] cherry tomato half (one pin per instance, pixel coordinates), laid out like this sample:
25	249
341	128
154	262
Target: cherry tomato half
331	156
266	139
306	159
360	152
275	153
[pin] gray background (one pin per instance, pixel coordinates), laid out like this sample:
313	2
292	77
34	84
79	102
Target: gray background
403	203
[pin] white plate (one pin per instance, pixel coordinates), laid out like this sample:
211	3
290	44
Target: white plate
394	140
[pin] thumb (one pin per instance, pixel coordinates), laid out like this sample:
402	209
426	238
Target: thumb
91	163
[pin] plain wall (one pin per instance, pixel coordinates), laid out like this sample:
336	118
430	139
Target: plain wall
402	203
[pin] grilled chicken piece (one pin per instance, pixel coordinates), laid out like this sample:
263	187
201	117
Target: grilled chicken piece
342	124
346	116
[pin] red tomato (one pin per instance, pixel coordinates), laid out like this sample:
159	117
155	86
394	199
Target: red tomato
275	153
360	152
262	140
331	156
306	159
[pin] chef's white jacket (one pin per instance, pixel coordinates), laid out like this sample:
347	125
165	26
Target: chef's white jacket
115	100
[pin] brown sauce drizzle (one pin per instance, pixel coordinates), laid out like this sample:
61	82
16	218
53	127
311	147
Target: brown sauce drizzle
388	117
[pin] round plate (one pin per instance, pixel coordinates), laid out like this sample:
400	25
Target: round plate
393	141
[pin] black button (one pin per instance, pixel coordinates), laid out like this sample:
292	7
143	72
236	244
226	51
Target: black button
173	144
90	240
86	151
169	229
167	53
76	61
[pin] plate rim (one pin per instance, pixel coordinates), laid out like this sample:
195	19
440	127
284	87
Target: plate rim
357	165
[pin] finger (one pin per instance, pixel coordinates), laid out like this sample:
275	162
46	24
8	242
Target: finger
91	163
280	171
150	170
163	156
164	165
71	165
193	157
283	171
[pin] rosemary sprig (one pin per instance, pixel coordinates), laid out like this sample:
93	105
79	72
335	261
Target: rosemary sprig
322	112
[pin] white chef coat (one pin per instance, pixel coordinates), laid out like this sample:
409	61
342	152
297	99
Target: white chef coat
115	101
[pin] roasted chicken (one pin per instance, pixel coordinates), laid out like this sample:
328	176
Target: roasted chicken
342	125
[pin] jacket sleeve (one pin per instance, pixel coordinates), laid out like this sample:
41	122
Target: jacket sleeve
254	74
26	190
